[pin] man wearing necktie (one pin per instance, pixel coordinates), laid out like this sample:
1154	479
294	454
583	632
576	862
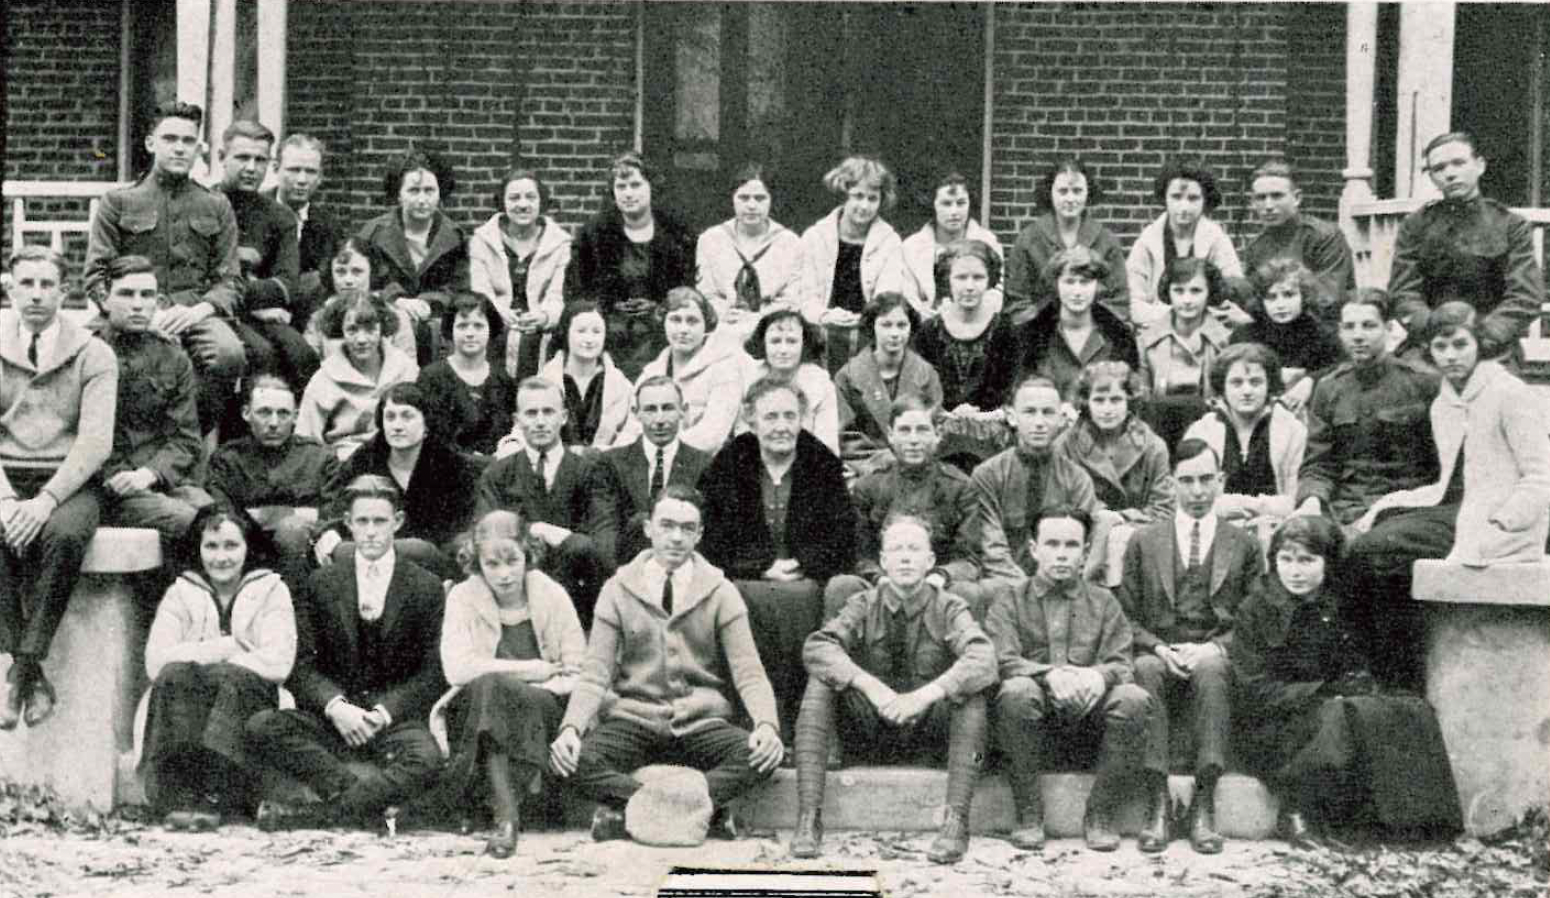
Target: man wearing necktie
901	671
368	670
627	478
1183	579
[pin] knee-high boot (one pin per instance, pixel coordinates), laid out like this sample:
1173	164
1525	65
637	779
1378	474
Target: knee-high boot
965	758
814	729
1023	764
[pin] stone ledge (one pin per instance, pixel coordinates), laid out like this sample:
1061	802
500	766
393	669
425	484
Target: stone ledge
1526	583
122	550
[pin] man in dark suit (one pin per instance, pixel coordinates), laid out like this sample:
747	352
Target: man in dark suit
1183	580
778	520
299	168
368	670
548	486
626	478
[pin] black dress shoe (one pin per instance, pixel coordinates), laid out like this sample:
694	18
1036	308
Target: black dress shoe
608	824
40	701
1203	836
274	816
503	842
723	825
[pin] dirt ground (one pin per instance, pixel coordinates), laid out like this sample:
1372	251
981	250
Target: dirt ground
142	860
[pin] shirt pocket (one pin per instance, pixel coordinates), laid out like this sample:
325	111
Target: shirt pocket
1399	431
139	232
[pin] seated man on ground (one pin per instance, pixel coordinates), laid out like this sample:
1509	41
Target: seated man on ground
668	617
547	484
1063	646
915	483
626	479
902	670
275	467
779	521
368	670
156	443
1184	578
58	389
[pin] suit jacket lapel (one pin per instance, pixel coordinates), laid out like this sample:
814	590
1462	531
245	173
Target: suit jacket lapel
1222	551
1166	552
347	607
393	605
873	394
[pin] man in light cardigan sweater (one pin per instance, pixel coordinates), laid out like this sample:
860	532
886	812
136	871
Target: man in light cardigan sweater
663	625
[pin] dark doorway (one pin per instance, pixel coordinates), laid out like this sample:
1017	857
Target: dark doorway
798	86
1499	94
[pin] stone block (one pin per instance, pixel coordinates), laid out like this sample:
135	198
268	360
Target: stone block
1527	583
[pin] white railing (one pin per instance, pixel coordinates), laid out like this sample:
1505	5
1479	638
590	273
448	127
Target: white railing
1375	228
19	192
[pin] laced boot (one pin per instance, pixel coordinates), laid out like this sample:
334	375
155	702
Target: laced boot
965	757
808	835
1203	836
1154	829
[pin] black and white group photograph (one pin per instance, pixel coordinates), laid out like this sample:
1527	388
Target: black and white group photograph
584	448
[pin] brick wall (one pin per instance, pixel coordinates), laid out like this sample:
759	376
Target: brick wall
61	111
1128	86
490	84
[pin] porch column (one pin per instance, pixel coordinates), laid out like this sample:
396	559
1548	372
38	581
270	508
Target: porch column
1361	40
272	18
1425	90
223	77
194	52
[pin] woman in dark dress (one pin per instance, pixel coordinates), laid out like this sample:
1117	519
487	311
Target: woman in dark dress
627	258
1289	315
511	647
470	398
1309	719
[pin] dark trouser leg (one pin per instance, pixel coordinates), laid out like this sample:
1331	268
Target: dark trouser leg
49	568
407	760
782	615
293	548
1021	707
1379	566
577	565
609	754
1123	712
220	359
1210	708
289	353
1152	675
304	745
721	751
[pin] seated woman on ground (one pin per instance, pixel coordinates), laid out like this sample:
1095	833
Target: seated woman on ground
1308	714
437	483
222	643
339	404
511	648
1289	319
787	348
350	271
470	397
1260	443
870	383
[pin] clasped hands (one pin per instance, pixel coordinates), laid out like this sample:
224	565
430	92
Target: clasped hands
899	710
1076	690
356	725
1180	658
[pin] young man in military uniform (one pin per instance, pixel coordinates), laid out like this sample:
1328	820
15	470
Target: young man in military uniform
1317	244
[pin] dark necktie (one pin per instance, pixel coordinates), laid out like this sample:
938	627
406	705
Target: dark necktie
32	351
658	475
1194	545
898	646
667	595
542	468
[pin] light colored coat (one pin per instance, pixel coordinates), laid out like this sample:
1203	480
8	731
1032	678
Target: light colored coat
618	396
1505	514
471	633
339	405
488	273
823	406
882	262
1144	266
718	262
1165	361
918	283
1288	443
713	384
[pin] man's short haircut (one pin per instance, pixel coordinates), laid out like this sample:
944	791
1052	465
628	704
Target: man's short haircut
679	492
373	486
32	252
1188	170
1031	380
535	384
881	305
895	518
266	380
465	301
682	297
124	266
521	173
303	141
1247	354
1044	187
247	128
369	307
1057	512
1315	533
1370	296
177	109
658	380
913	402
812	335
1274	168
1193	448
1078	260
1492	335
863	171
969	249
767	385
413	161
1463	137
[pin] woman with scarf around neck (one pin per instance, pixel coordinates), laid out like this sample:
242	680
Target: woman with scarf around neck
1289	318
220	648
750	264
1310	721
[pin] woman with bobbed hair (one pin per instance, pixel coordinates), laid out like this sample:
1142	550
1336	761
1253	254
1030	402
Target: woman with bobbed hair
923	283
1062	196
1310	721
1490	504
1178	347
708	364
1290	314
750	263
1189	192
339	403
785	347
627	258
518	259
419	255
870	383
469	392
511	648
851	254
597	395
1076	330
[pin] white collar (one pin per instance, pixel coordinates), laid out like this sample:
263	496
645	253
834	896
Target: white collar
683	577
47	337
669	452
385	563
